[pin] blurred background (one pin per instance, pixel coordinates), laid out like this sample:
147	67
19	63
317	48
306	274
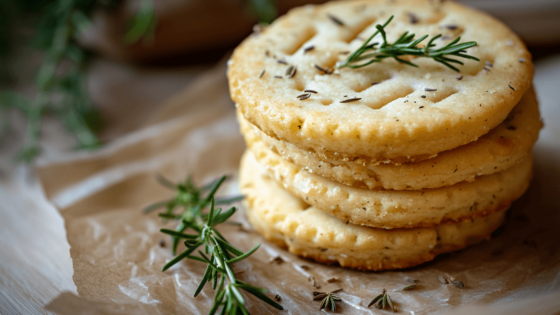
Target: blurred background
99	68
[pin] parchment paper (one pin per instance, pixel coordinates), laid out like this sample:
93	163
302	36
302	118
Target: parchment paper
117	256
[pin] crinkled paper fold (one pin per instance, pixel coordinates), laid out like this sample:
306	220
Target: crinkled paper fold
117	250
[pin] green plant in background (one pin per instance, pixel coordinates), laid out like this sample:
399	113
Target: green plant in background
61	78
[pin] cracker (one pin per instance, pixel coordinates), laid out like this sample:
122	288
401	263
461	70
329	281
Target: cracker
392	120
289	222
498	150
400	208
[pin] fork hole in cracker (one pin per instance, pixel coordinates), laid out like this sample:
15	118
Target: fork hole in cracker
388	96
473	67
365	82
359	29
302	38
440	94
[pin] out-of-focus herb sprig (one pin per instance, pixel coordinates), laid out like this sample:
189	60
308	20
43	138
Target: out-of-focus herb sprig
218	253
406	45
61	78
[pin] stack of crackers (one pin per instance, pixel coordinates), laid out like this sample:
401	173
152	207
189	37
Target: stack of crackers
388	165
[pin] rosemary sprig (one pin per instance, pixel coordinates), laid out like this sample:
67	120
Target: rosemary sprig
218	253
382	301
328	299
406	45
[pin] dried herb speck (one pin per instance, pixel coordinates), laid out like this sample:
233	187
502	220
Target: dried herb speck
324	70
521	60
308	49
410	287
310	91
336	20
459	78
161	243
304	267
262	73
282	61
412	18
511	87
455	283
430	90
277	260
291	72
353	99
450	26
333	279
313	282
411	280
423	96
278	298
278	77
304	96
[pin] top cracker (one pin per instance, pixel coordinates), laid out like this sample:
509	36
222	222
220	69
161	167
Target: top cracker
403	113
